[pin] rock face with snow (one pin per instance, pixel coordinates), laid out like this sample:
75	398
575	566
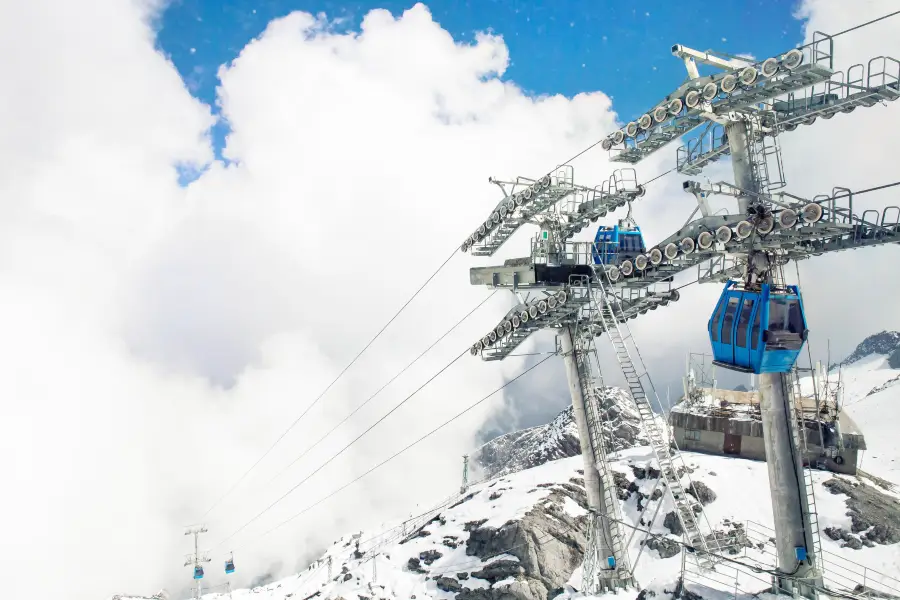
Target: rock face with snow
526	449
886	342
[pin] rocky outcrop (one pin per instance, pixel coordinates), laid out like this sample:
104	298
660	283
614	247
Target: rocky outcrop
547	545
874	516
529	448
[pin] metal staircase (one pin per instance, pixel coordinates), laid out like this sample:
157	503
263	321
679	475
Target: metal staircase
687	508
791	382
593	562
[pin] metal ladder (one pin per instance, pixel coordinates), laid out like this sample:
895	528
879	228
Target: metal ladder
588	384
687	508
791	382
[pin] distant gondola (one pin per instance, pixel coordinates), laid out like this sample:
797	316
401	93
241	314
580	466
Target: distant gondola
229	564
758	331
612	245
198	572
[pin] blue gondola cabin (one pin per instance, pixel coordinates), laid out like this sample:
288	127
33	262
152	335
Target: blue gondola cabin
612	245
229	566
758	331
198	572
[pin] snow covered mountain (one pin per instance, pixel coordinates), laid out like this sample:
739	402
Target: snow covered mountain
521	535
886	343
532	447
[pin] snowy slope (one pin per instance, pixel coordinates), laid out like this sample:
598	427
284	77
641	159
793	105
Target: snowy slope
521	534
742	494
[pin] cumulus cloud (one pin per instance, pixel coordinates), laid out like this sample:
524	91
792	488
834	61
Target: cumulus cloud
158	338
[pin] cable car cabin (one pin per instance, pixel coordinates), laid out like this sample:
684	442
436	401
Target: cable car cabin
613	245
198	572
229	566
758	332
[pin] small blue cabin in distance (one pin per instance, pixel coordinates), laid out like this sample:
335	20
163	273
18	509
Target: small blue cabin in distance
758	331
198	572
612	245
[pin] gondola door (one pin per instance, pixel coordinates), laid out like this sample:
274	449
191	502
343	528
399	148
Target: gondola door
742	331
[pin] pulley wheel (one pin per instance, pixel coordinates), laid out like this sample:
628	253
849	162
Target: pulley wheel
606	144
618	137
551	302
482	229
792	59
495	218
493	336
748	76
660	114
812	213
769	67
516	321
640	262
479	345
710	91
787	218
545	181
728	83
474	350
705	240
671	250
723	234
527	193
524	316
675	107
499	330
655	256
613	274
533	311
692	99
627	268
542	307
645	122
507	326
743	230
631	129
687	245
518	199
765	225
562	297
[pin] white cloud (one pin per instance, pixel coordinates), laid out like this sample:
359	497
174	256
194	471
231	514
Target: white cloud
158	339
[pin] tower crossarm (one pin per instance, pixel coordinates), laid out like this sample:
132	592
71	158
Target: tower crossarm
523	203
860	86
621	188
741	85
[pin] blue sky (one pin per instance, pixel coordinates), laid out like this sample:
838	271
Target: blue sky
556	47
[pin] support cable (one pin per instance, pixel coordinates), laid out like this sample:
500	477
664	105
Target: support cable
319	397
403	450
381	389
342	450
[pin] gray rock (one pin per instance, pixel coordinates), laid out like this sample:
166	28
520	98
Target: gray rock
701	492
499	569
448	584
462	576
414	565
667	548
869	509
671	521
429	556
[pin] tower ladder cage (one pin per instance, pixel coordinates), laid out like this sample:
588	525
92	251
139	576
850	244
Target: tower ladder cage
765	156
697	530
593	562
791	382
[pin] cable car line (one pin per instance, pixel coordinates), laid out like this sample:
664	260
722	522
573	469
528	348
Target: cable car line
861	25
391	380
342	450
319	397
399	452
350	364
